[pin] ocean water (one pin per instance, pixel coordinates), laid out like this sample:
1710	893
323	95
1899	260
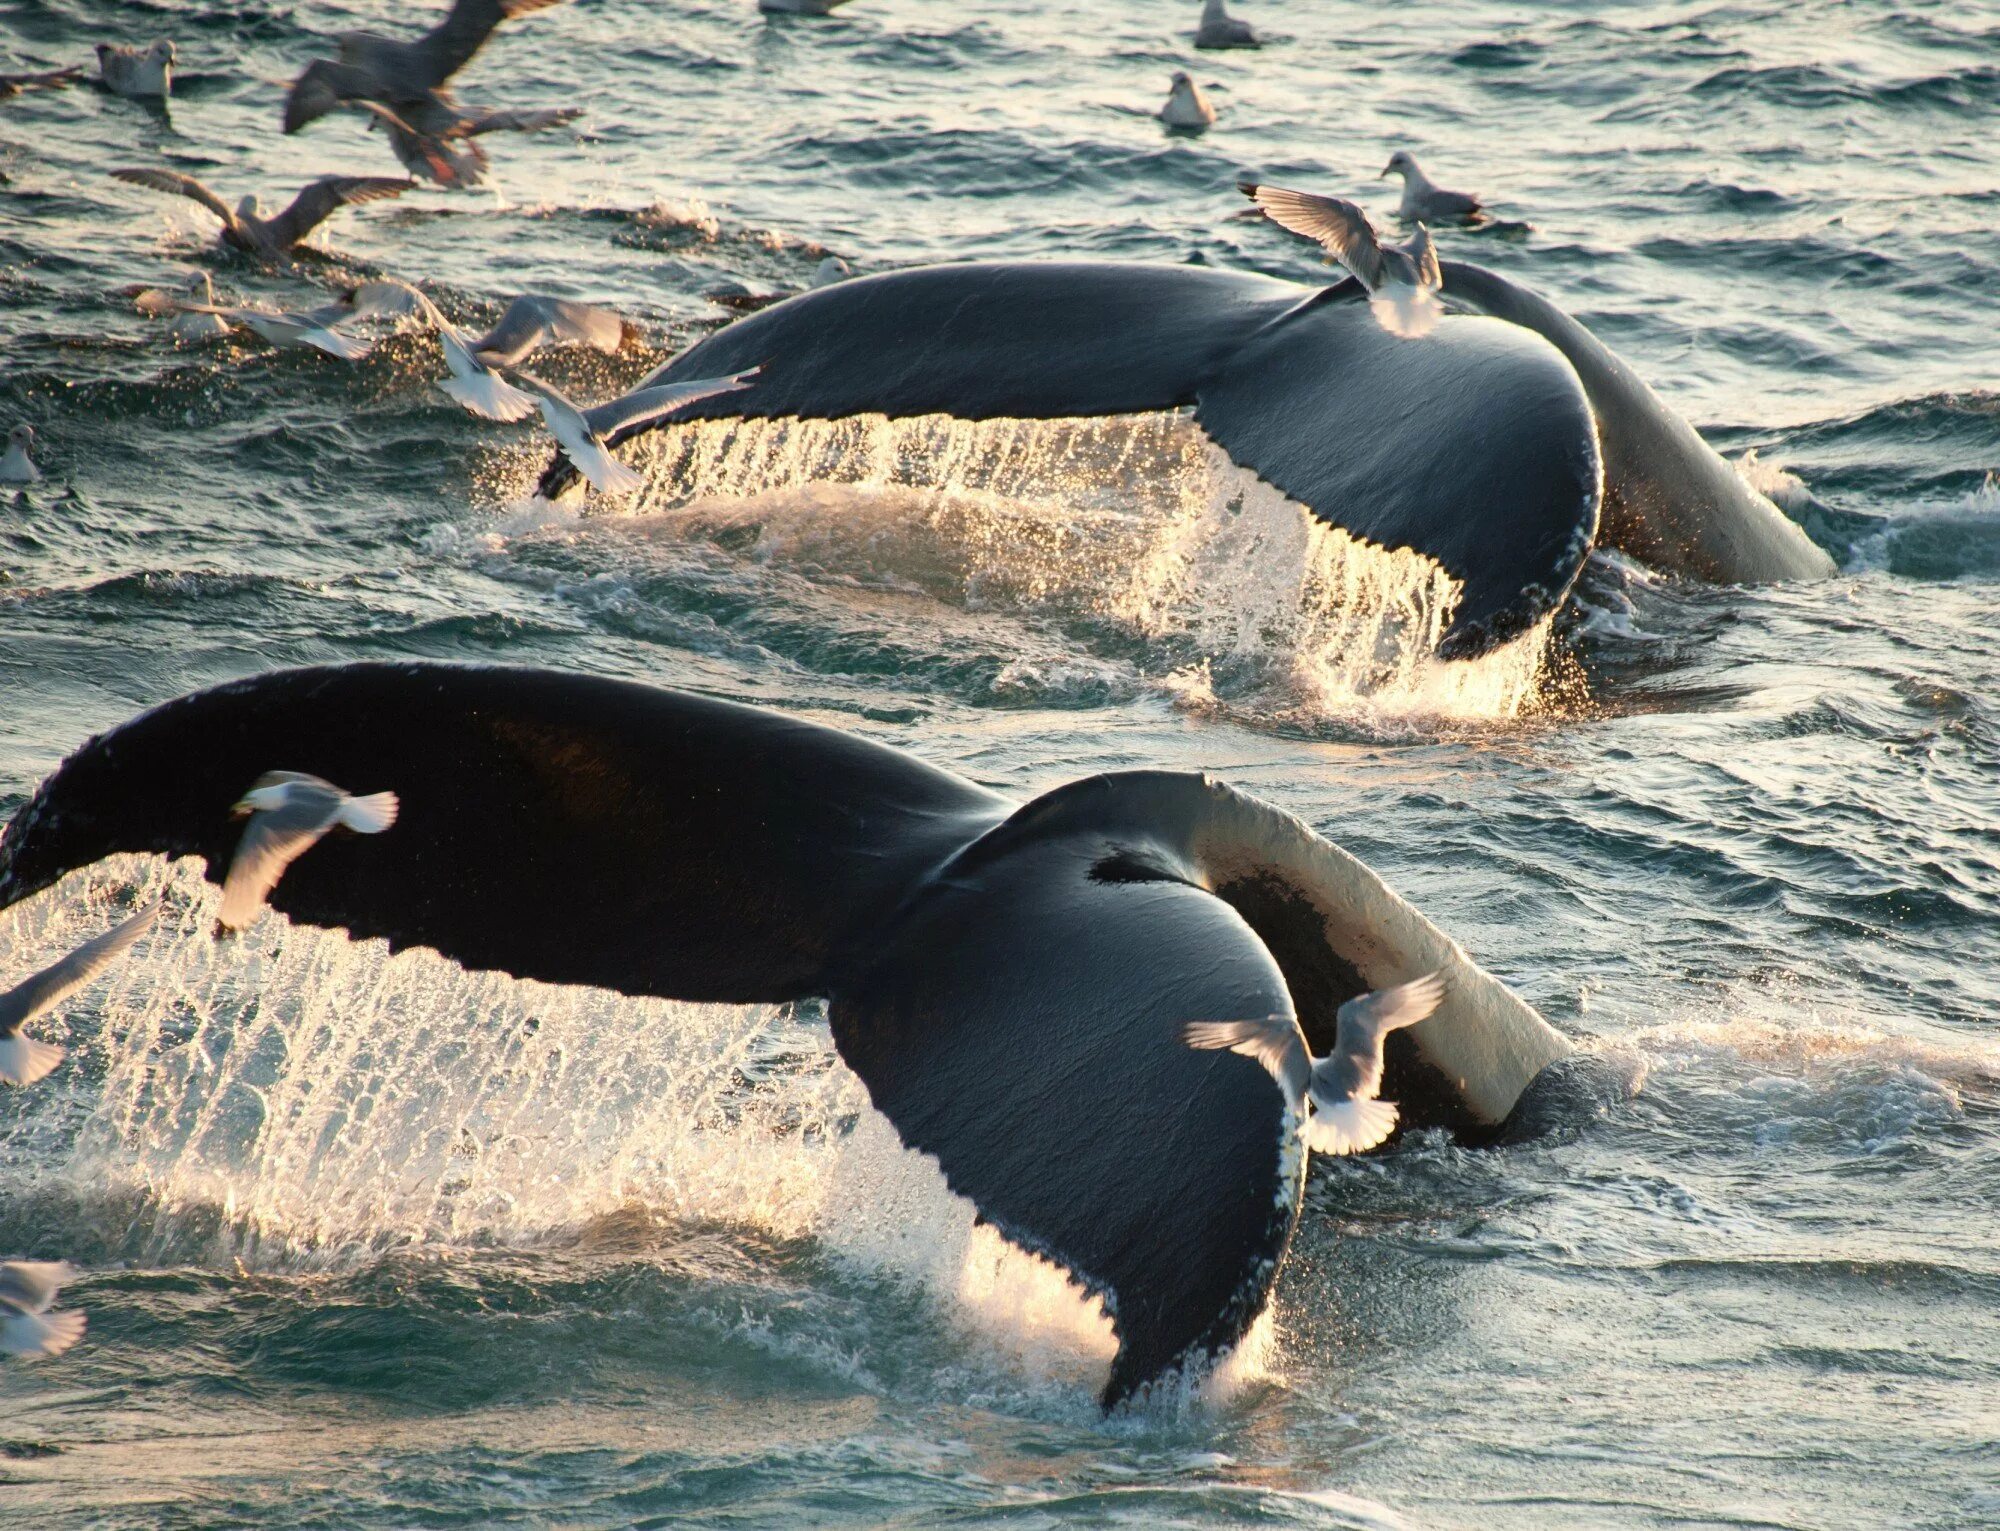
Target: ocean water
372	1242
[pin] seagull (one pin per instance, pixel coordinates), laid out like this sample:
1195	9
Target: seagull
1347	1118
17	467
27	1328
581	433
1186	106
23	1060
187	323
46	79
1403	281
311	327
289	812
146	72
1425	202
406	77
435	141
832	269
274	237
529	323
1219	29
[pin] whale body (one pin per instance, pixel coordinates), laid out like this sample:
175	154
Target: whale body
1010	981
1501	445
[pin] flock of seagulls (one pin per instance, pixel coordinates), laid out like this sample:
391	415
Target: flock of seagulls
403	86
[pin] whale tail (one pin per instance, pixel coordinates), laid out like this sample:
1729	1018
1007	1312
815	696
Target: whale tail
984	964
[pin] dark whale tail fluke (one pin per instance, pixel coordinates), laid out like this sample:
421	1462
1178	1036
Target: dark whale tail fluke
1475	446
1011	983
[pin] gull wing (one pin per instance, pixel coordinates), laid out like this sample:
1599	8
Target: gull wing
326	196
1273	1040
532	320
449	46
644	406
1424	255
31	1285
58	981
1338	225
179	185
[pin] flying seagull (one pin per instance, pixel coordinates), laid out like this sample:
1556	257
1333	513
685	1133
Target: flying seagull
312	327
142	72
1403	281
1347	1118
289	812
435	140
1424	202
581	433
27	1328
23	1060
407	77
274	237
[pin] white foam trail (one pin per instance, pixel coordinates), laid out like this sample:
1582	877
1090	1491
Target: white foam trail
1140	520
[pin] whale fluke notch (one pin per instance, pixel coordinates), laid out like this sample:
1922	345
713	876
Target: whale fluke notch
1474	446
1009	982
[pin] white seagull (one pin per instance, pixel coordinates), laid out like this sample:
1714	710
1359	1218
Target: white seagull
581	433
16	466
289	813
185	324
1186	106
529	323
144	72
1347	1118
1403	281
23	1060
1424	202
312	327
27	1328
1219	29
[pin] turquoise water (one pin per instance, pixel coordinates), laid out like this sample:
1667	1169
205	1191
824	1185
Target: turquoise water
374	1243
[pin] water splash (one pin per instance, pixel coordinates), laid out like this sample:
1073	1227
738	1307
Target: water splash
295	1101
1137	527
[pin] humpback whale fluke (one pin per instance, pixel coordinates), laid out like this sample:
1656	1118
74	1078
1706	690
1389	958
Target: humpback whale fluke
1489	449
1348	1117
986	964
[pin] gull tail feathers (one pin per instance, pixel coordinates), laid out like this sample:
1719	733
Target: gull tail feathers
1410	313
1349	1126
23	1060
369	815
40	1334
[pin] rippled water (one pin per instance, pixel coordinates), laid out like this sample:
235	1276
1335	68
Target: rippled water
372	1242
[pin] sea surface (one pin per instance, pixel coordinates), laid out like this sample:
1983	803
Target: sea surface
375	1243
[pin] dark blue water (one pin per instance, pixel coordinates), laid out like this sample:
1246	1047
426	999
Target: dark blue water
371	1242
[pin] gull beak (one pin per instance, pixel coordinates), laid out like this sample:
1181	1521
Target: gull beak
1386	169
